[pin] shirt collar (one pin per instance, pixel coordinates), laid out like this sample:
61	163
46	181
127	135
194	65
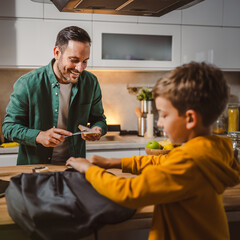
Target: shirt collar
52	78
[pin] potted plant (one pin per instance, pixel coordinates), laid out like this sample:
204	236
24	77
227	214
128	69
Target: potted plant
145	97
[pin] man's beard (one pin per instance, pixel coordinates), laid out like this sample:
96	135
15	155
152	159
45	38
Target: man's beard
61	73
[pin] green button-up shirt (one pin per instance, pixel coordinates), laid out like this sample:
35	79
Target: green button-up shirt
34	107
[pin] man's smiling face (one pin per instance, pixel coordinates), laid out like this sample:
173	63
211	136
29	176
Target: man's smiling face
71	62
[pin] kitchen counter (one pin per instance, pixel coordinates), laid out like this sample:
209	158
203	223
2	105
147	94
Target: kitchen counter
106	142
120	142
141	219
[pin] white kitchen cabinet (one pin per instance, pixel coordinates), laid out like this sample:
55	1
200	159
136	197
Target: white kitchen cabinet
142	152
21	8
208	12
51	12
30	42
50	30
230	49
231	13
202	44
8	160
113	153
125	50
21	43
216	45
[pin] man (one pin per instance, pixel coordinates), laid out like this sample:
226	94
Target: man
49	103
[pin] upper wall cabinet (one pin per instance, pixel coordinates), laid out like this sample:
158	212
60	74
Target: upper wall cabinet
230	48
231	13
21	43
135	46
22	8
208	12
30	43
50	31
216	45
202	44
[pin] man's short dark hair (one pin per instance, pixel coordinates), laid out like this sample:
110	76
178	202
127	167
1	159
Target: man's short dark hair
71	33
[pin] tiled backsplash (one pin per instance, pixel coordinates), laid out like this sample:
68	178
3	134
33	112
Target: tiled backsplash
119	104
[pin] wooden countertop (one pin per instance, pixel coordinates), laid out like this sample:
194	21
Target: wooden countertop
120	142
142	218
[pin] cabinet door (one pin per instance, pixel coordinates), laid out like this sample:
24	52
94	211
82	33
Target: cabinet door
219	46
204	13
142	152
231	48
136	46
30	43
21	43
202	44
50	30
22	8
113	153
231	13
8	160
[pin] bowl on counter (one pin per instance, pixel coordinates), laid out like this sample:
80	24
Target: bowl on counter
156	152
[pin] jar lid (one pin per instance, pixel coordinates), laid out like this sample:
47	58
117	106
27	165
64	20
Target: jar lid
233	105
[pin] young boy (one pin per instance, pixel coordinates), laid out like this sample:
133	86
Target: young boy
185	185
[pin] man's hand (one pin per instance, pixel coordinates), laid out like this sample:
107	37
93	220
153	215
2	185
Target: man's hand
93	137
52	137
79	164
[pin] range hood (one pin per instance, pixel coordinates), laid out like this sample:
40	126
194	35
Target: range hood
155	8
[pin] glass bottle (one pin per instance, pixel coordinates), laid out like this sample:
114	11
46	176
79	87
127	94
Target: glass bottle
235	136
219	126
233	117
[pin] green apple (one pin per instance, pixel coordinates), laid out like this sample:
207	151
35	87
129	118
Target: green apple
153	145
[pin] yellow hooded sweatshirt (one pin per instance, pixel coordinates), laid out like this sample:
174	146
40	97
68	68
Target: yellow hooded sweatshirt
185	186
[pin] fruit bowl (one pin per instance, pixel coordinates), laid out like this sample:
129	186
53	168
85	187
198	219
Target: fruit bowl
156	152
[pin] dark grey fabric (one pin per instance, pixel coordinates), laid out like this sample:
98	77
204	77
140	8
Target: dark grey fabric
3	186
60	205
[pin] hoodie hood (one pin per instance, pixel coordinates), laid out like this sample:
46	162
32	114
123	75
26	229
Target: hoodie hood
216	161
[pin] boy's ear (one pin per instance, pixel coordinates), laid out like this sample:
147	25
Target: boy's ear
191	119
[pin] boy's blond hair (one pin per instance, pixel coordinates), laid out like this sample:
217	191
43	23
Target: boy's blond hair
197	86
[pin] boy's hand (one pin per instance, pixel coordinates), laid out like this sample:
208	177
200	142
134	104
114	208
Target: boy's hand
100	161
105	162
79	164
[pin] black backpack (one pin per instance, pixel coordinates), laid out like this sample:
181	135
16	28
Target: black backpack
60	205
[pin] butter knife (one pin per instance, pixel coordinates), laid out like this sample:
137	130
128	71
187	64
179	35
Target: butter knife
76	133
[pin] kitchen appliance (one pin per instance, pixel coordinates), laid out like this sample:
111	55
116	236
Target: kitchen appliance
154	8
142	123
145	119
